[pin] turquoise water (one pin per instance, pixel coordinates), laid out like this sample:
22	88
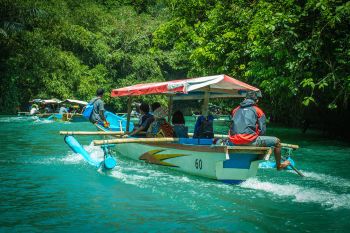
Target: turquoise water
45	187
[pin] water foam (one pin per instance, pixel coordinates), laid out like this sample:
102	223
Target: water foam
18	119
43	121
74	158
95	152
327	179
300	194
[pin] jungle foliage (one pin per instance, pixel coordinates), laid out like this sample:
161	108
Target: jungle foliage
296	52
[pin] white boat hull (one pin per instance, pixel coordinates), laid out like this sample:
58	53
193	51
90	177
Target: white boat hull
221	163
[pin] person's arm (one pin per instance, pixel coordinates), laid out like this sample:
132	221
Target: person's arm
101	108
102	115
141	128
261	120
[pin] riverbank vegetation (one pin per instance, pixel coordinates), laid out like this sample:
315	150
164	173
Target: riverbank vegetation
296	52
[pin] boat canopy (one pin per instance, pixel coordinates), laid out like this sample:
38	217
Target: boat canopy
80	102
50	101
217	86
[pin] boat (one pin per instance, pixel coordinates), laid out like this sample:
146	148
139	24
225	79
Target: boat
74	115
200	157
76	108
116	123
42	108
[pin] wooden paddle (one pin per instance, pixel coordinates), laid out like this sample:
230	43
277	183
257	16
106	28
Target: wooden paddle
294	168
297	171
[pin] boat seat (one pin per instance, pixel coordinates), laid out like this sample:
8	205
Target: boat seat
196	141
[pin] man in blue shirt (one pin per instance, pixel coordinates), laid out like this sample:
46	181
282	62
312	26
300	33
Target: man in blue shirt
145	120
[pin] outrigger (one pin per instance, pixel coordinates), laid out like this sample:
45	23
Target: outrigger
229	164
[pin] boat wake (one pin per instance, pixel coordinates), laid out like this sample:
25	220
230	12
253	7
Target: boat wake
143	176
327	179
327	199
95	152
18	119
158	180
43	121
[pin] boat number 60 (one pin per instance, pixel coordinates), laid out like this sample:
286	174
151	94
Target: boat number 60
198	164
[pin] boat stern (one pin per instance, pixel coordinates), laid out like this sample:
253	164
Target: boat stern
241	163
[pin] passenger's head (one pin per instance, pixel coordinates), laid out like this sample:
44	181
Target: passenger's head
160	113
253	95
100	92
144	107
178	118
155	105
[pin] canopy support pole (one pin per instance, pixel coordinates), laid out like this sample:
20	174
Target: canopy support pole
170	107
205	104
129	114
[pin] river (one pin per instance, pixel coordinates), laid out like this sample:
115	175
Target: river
45	187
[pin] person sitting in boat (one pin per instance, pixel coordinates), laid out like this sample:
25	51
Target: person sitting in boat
34	109
74	109
248	126
63	109
160	127
145	120
178	121
97	115
154	106
204	127
48	109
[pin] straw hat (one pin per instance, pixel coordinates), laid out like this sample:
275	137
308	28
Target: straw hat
160	112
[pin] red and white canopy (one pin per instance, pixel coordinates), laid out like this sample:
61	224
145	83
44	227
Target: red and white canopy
194	88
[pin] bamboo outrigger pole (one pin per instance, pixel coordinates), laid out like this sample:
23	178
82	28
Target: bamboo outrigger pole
90	133
134	140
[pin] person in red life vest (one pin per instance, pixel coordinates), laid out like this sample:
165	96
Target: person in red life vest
248	126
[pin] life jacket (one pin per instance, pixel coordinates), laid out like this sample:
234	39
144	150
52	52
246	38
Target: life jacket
248	122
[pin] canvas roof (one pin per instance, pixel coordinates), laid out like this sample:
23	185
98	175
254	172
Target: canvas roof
218	86
80	102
